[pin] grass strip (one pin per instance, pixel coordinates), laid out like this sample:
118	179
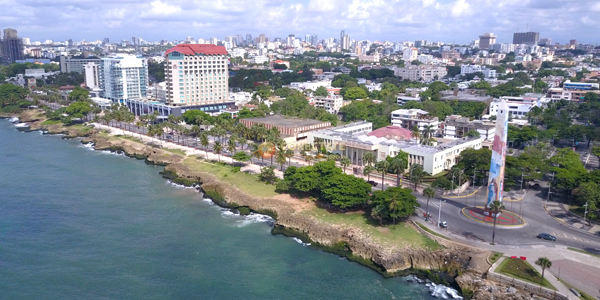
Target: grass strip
518	268
495	256
583	251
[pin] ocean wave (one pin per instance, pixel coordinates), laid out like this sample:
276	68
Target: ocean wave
88	146
181	186
254	218
299	241
436	290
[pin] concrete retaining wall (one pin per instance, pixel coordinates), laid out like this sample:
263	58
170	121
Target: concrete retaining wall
526	286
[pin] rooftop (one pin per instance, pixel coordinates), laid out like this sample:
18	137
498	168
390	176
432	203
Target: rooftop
192	49
282	121
392	132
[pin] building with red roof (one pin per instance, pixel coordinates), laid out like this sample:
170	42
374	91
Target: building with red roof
392	132
196	77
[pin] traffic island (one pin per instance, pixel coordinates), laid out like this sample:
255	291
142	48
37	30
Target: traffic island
506	219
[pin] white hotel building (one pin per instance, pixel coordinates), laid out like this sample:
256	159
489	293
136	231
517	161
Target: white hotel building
197	75
120	78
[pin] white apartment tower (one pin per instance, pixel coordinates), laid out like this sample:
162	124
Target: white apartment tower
196	75
92	75
123	77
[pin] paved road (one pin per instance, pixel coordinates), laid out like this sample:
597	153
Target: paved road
531	208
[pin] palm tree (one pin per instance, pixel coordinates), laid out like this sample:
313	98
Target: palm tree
429	193
544	263
289	153
141	125
427	135
204	142
255	151
382	167
333	157
281	159
217	148
242	141
398	164
369	158
231	146
415	132
345	162
416	174
394	207
367	171
378	212
309	159
496	207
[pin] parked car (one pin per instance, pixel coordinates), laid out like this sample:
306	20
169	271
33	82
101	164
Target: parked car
546	236
444	224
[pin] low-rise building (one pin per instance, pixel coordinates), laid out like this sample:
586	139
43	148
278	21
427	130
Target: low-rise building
573	91
288	126
309	85
426	73
332	103
409	118
355	144
518	107
469	69
456	127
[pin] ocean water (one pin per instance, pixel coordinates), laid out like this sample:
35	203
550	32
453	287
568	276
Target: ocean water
82	224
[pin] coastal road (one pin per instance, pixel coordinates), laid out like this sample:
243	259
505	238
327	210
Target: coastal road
532	210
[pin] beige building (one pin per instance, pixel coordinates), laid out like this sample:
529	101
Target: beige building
196	75
424	73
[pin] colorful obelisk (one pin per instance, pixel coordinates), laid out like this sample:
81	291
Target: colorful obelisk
496	178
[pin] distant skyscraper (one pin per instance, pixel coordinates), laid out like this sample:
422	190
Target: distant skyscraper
106	41
314	40
486	40
545	42
249	39
11	46
420	43
527	38
342	34
307	38
345	42
573	42
262	38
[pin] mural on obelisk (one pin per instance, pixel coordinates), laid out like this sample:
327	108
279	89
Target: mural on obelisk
496	179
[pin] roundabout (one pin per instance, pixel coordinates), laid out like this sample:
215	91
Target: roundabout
506	219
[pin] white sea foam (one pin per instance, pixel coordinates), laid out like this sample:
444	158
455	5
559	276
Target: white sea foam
88	146
120	153
229	213
208	200
253	218
436	290
181	186
299	241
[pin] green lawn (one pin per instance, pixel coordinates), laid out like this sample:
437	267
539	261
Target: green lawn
51	122
518	268
246	182
429	230
176	151
495	256
131	138
400	235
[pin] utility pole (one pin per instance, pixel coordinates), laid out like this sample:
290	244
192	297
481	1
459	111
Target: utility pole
474	170
521	181
585	214
453	179
440	213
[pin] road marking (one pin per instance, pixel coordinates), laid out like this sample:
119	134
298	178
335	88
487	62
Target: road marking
565	235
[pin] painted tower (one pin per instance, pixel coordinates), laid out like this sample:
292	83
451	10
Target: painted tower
496	178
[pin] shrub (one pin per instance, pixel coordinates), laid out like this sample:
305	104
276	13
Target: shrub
244	210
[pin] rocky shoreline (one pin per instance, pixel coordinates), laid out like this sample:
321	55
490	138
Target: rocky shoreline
461	265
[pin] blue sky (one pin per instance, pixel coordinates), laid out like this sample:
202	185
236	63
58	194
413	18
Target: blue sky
458	21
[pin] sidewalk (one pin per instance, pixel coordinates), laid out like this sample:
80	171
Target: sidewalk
561	213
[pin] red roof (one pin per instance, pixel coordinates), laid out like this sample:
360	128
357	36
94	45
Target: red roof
191	49
392	132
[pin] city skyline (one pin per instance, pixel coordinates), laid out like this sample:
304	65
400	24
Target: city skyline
449	21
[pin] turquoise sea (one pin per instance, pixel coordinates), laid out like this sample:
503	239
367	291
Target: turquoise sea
82	224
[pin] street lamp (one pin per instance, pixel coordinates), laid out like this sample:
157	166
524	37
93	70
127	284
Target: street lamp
585	214
440	213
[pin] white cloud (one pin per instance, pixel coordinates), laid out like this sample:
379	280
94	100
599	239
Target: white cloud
396	20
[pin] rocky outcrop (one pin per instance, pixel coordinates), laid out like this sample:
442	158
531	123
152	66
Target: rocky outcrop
137	150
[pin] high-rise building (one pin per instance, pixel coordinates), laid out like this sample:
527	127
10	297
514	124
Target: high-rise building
409	54
545	42
106	41
262	38
26	41
307	38
345	42
527	38
92	75
314	40
197	76
486	40
420	43
68	65
249	39
123	77
11	46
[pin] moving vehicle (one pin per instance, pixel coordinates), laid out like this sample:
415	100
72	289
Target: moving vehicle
444	224
546	236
